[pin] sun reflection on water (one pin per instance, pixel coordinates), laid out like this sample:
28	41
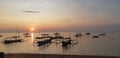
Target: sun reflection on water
32	37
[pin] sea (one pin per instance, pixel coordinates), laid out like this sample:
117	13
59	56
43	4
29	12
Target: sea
108	45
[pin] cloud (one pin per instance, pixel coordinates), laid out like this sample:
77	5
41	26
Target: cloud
29	11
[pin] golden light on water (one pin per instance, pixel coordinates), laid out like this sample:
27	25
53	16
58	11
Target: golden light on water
32	37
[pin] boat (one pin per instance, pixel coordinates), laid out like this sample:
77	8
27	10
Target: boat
11	40
88	33
66	41
57	36
16	37
78	35
45	35
26	34
95	36
44	39
40	37
102	34
44	42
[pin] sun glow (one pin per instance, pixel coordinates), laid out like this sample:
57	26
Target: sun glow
32	29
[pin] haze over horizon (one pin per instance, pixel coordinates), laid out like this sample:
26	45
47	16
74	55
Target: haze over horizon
60	15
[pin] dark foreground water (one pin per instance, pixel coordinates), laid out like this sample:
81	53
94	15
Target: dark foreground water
108	45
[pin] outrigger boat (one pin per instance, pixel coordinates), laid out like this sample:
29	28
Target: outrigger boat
27	35
40	43
88	33
13	39
45	39
95	36
57	36
102	34
66	42
78	35
16	37
10	40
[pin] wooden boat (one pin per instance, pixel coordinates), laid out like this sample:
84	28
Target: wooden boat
66	42
102	34
26	33
43	36
88	33
40	43
27	36
16	37
57	37
40	37
56	34
95	36
78	35
11	40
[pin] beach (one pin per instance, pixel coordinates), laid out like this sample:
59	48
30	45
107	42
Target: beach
22	55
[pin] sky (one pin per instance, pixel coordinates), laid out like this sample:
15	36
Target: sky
60	15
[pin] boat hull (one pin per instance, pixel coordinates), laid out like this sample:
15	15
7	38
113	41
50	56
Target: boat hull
12	41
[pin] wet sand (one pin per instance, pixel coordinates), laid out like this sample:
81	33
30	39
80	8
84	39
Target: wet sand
53	56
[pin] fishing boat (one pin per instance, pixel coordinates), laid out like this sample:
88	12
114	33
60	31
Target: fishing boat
95	36
88	33
57	36
78	35
102	34
66	42
43	36
16	36
26	34
44	41
13	39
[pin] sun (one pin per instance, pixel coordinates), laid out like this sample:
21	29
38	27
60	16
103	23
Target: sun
32	29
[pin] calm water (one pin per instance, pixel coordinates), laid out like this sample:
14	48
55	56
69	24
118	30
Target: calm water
108	45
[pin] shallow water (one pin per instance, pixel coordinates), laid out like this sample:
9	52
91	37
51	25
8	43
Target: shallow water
108	45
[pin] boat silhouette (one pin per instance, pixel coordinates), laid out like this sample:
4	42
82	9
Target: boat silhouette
13	39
